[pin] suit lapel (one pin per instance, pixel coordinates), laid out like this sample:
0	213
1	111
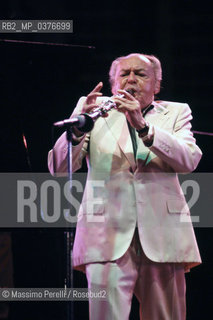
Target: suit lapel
117	124
158	115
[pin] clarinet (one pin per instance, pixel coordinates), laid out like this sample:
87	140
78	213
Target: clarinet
85	121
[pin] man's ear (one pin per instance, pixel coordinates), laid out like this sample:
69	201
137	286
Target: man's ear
157	86
113	89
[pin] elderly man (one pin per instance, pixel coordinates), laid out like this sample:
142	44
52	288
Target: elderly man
135	240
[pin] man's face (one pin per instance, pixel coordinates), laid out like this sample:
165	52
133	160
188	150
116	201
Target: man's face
136	73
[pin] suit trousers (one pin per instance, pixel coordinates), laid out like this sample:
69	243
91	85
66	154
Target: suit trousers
159	287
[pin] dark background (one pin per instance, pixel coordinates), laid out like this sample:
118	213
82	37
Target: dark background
41	84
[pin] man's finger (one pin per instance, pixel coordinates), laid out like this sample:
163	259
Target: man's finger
94	94
89	108
98	87
126	94
91	97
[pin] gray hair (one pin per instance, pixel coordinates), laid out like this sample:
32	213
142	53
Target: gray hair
156	65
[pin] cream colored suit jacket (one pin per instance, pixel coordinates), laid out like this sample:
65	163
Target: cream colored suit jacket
122	193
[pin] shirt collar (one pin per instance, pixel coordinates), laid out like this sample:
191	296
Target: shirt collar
147	109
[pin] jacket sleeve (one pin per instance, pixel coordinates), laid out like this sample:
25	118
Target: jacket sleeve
57	157
178	149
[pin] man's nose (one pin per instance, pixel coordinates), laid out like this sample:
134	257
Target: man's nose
132	77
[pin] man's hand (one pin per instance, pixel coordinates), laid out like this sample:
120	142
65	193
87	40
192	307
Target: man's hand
131	108
90	102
